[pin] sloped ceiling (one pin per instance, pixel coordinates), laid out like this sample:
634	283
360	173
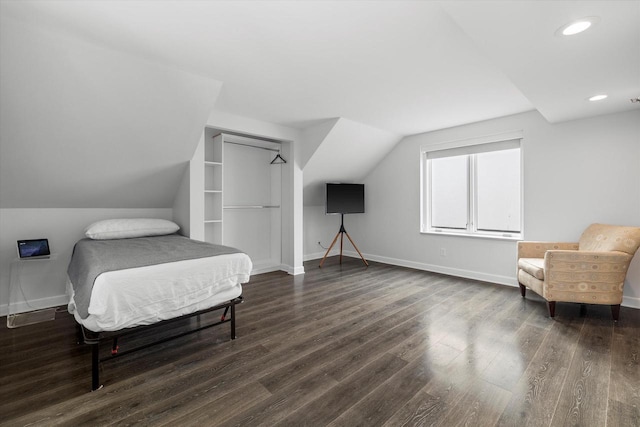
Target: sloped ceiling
401	66
558	73
88	127
349	150
104	101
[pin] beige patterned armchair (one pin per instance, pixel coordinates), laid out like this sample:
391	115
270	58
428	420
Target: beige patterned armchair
591	271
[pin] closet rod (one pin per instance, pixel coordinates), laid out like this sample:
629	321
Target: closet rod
252	146
252	207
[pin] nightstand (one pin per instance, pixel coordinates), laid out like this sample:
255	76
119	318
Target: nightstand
22	308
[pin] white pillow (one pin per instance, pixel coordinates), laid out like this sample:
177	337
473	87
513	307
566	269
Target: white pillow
130	227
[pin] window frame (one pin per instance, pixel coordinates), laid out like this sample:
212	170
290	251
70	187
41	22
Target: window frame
469	147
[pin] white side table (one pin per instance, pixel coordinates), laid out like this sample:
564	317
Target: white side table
20	310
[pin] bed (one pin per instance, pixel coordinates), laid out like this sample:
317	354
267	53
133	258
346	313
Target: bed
134	276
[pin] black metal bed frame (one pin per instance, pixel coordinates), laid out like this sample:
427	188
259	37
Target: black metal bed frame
94	339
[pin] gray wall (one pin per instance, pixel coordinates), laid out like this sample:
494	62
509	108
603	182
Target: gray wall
43	282
575	173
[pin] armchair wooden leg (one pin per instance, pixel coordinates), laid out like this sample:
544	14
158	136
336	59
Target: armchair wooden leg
615	312
523	289
583	310
552	308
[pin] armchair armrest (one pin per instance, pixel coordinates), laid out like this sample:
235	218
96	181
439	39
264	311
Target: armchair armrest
538	249
585	276
591	261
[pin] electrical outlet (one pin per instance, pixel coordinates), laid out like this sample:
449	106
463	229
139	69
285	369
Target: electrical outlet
443	252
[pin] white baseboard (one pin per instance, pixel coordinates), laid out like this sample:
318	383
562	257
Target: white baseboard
632	302
269	269
319	255
467	274
294	271
39	304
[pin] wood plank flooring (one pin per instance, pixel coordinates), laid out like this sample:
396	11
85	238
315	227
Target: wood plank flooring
344	345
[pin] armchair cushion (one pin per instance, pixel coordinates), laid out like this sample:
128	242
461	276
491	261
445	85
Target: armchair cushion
533	266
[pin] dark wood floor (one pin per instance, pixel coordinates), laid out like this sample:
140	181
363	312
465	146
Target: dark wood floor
345	346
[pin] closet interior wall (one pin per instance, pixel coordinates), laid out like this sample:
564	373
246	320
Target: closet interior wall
251	197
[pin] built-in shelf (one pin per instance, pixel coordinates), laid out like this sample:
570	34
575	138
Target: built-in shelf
213	173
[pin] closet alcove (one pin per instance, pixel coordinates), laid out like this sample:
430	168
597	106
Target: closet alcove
242	197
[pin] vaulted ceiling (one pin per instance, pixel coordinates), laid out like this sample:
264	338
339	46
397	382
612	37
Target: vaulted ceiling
103	101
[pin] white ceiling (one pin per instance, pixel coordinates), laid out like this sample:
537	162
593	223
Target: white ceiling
401	66
102	102
557	73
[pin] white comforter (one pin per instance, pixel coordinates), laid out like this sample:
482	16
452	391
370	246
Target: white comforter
146	295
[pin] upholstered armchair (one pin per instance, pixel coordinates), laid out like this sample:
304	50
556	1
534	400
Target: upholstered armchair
591	271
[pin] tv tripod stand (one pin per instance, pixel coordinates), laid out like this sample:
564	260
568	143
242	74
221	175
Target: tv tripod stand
341	234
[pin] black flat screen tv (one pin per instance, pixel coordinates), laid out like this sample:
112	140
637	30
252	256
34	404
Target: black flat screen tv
345	198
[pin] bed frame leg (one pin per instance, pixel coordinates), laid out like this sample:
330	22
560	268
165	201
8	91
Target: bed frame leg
233	320
95	367
79	334
114	347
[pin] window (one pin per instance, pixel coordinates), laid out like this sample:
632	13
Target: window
473	188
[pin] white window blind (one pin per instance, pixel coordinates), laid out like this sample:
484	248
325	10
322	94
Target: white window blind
498	190
473	189
449	192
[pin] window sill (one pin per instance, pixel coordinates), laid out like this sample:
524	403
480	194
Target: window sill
512	237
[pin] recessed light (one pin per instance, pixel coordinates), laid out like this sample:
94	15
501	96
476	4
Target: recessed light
578	26
597	97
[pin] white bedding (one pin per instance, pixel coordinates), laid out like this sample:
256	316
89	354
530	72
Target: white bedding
146	295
